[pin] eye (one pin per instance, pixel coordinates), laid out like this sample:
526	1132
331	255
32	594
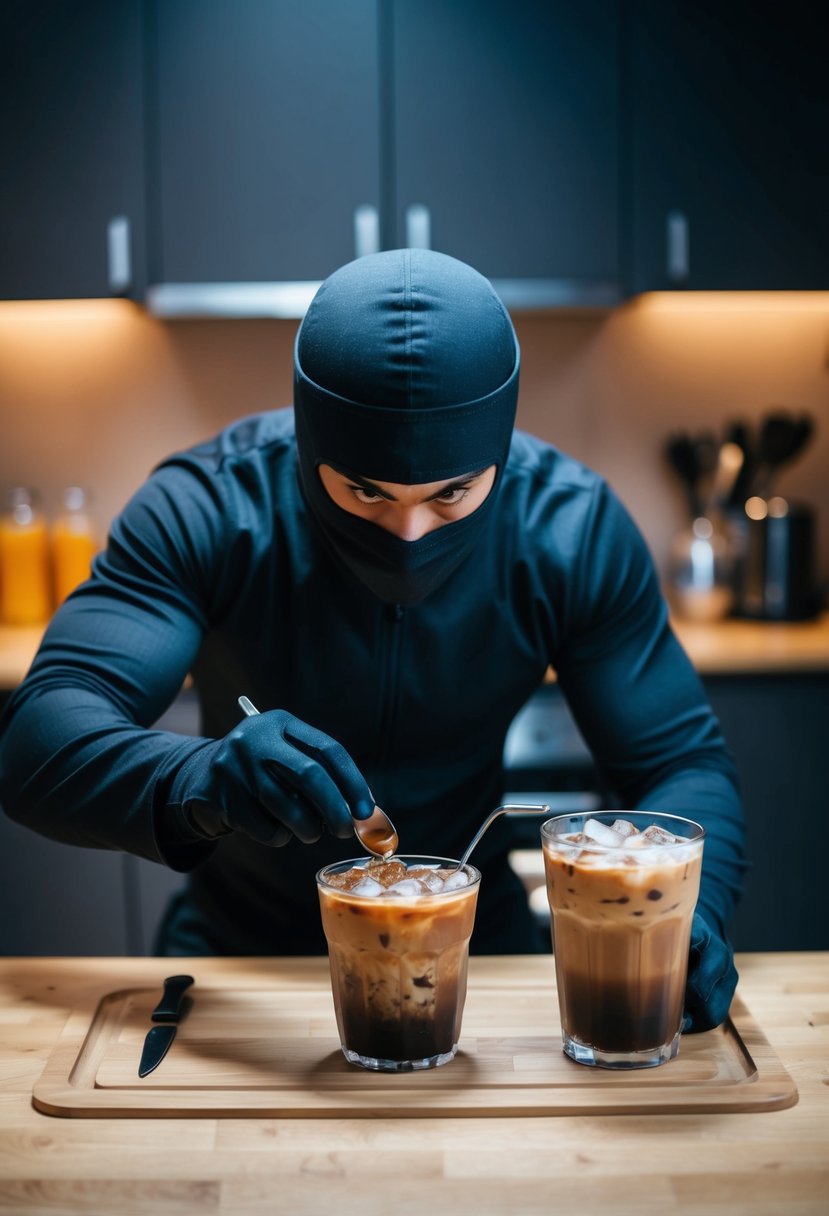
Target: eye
367	497
451	498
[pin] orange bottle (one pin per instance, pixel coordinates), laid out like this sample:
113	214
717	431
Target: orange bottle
73	542
25	590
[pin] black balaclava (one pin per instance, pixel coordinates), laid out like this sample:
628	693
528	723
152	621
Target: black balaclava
405	370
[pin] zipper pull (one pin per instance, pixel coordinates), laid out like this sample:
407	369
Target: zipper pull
396	612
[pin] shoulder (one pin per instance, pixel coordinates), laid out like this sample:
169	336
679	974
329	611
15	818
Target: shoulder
242	469
255	441
543	485
574	529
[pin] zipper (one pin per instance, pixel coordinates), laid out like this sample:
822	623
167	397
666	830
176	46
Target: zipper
390	699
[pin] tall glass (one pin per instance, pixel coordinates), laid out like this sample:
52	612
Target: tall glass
622	913
399	965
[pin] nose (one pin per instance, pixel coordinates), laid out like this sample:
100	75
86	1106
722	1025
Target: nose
406	523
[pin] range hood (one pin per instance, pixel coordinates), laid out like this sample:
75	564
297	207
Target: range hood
290	300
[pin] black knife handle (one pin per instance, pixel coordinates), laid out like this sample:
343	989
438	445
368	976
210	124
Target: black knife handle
168	1008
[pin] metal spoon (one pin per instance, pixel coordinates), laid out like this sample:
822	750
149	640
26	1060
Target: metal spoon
512	808
376	834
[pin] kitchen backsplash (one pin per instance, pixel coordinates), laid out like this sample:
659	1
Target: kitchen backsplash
94	393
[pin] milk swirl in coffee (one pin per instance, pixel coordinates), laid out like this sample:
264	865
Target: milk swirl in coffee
398	940
622	900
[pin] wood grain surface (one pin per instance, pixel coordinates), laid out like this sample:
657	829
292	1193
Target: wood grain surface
715	1164
275	1051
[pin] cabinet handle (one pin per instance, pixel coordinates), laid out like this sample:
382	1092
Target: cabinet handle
678	265
366	230
418	227
118	255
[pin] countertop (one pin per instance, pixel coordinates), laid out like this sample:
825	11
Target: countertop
722	648
757	1164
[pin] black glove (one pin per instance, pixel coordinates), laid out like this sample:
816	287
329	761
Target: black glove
712	978
272	777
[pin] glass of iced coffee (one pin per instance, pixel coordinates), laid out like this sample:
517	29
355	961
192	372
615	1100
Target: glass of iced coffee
398	944
622	888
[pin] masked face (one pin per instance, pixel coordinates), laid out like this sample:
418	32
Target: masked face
405	390
408	512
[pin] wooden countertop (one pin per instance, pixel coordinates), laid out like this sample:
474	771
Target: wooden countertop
722	648
756	1164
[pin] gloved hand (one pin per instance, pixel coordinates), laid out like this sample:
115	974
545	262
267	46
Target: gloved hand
272	777
712	978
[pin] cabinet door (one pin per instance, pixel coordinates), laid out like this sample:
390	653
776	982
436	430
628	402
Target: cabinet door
506	130
266	139
71	152
729	112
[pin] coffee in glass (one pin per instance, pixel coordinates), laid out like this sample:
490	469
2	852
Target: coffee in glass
398	944
622	889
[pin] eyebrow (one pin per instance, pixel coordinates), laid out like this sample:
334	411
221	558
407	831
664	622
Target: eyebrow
460	484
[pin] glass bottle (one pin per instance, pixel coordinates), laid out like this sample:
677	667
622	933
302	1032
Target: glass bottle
25	590
74	543
701	572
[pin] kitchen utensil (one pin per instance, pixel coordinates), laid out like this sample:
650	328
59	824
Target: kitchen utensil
169	1011
683	458
782	437
693	458
376	834
740	434
512	808
729	463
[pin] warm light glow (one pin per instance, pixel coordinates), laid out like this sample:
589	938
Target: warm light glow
756	508
778	507
64	312
732	301
56	340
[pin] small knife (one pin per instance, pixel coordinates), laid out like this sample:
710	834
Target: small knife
168	1012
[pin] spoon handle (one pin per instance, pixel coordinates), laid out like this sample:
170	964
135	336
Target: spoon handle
511	808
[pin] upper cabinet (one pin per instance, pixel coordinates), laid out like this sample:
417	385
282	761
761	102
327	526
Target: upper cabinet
264	139
71	149
289	138
574	153
505	140
727	155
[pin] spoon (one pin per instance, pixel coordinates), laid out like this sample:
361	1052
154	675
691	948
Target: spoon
376	834
512	808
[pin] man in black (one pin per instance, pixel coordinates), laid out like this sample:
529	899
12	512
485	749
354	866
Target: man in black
387	571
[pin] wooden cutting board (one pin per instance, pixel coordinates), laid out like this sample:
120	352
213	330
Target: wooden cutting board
274	1051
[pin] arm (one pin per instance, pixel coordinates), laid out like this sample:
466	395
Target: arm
77	760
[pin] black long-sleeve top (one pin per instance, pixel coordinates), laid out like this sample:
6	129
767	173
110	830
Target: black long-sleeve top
215	568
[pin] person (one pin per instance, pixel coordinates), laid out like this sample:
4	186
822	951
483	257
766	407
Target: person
387	571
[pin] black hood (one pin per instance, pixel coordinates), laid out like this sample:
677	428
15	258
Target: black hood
405	370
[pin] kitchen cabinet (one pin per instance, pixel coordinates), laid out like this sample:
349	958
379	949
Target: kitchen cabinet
775	726
264	141
71	149
505	139
287	139
726	182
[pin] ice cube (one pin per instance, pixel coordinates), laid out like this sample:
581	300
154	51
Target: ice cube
430	878
367	886
388	872
624	828
657	835
408	886
601	834
455	881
